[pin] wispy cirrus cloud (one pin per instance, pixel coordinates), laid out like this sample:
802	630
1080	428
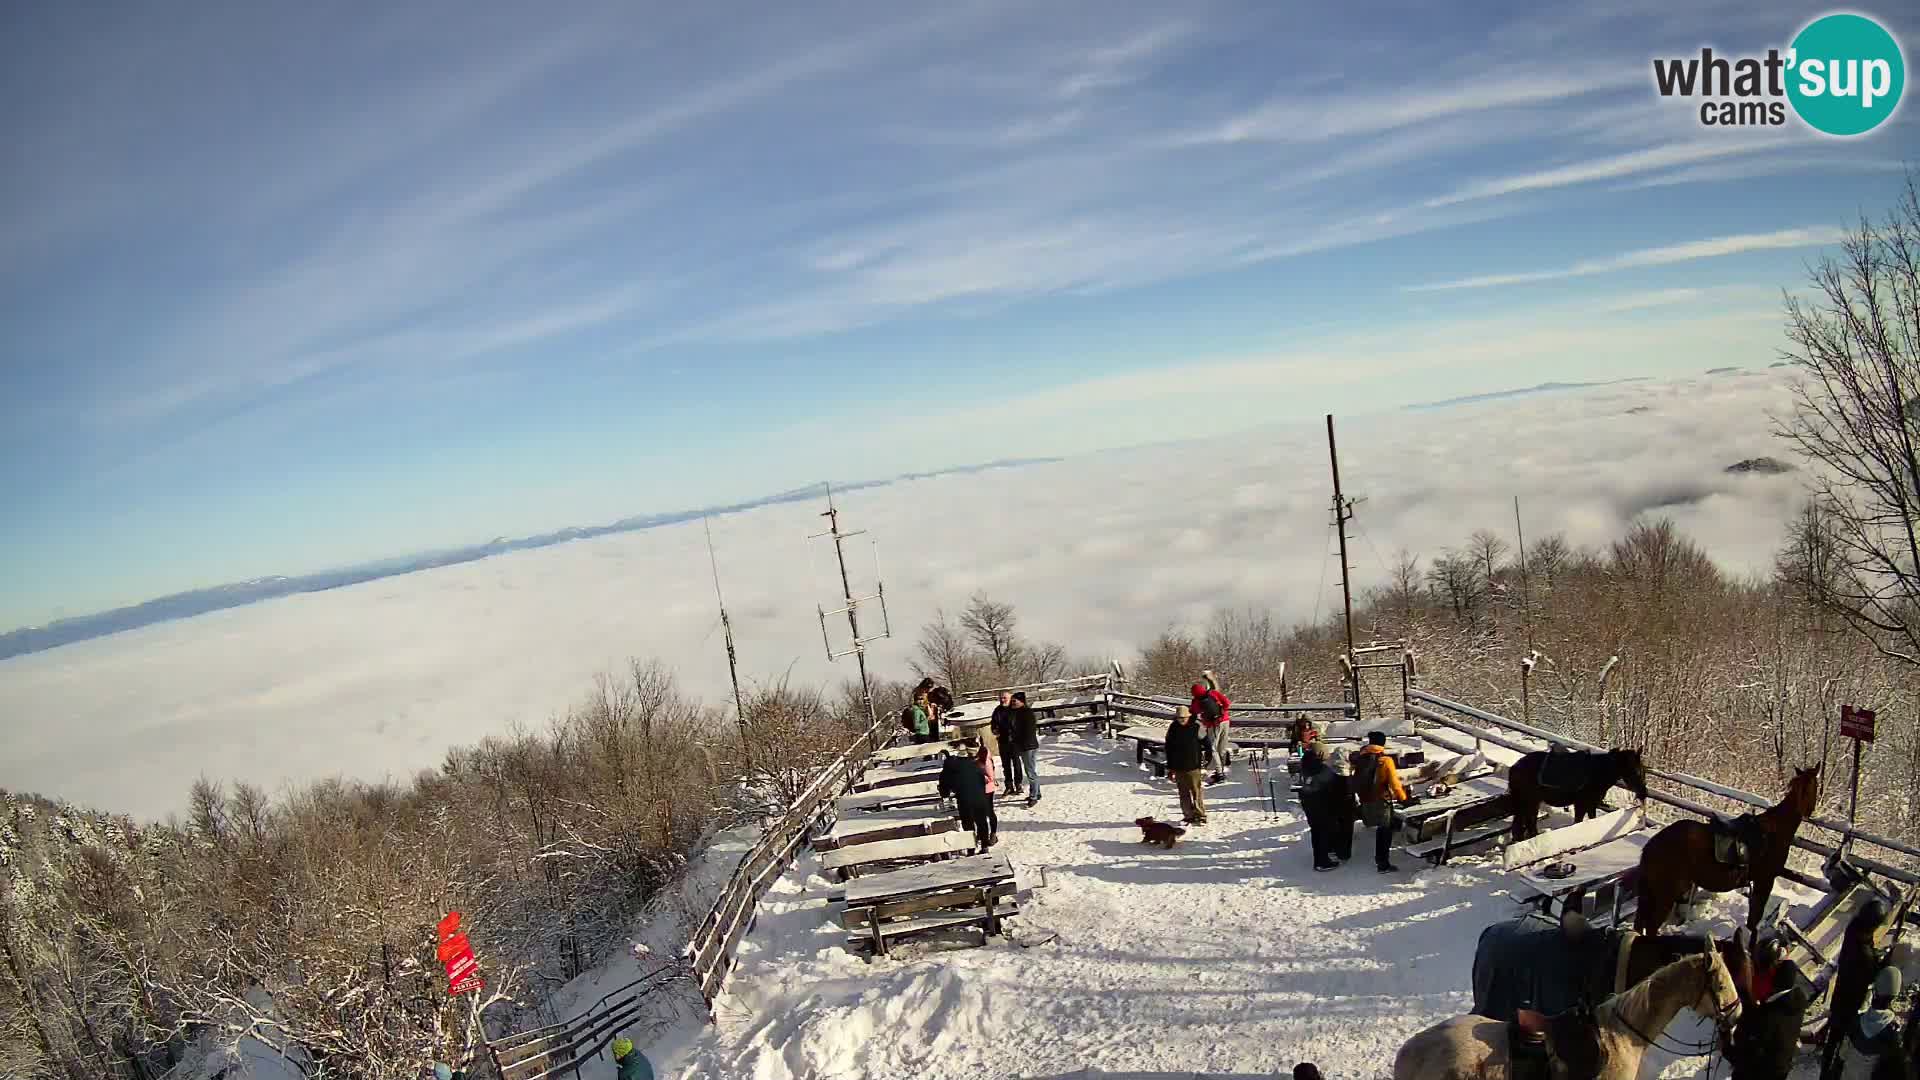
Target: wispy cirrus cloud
1716	247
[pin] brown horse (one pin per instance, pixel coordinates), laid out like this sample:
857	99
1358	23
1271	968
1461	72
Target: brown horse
1576	778
1681	856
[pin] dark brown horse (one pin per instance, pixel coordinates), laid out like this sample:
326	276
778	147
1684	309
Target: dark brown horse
1681	856
1576	778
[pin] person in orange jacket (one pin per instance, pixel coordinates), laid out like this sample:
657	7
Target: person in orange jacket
1376	782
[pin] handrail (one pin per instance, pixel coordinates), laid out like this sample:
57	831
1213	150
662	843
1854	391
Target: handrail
1681	779
1104	678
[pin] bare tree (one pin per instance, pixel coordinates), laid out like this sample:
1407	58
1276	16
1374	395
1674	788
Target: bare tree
1487	549
1857	348
946	654
1457	581
990	625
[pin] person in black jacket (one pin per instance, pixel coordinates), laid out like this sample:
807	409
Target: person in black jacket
1768	1034
1318	804
1852	979
1026	743
1186	752
963	781
1014	777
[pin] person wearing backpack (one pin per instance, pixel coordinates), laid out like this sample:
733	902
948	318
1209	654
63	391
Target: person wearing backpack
1211	707
1376	782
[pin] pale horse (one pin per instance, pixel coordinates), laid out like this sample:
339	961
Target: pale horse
1475	1047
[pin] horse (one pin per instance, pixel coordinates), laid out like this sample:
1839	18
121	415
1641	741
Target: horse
1476	1047
1681	857
1535	962
1576	778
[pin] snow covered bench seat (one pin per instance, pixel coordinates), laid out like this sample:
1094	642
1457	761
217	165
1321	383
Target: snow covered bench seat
846	862
882	825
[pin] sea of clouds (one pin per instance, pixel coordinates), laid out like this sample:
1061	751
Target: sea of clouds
1100	552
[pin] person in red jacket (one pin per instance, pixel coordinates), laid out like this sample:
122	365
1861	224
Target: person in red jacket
1210	708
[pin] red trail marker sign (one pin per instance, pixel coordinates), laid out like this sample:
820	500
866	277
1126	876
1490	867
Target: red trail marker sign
456	953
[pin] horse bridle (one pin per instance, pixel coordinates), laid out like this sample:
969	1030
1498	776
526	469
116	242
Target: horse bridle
1720	1024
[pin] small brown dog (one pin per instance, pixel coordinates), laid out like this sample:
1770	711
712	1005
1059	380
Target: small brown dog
1163	833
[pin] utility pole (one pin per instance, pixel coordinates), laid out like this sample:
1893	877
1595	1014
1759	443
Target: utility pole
1526	582
859	644
1342	513
726	626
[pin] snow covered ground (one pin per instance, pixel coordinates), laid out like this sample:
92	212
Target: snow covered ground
1224	957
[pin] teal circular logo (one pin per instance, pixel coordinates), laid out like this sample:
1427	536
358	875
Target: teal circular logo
1846	74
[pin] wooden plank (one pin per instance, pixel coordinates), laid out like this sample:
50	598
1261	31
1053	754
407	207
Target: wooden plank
952	874
856	917
924	791
929	846
1587	834
1148	735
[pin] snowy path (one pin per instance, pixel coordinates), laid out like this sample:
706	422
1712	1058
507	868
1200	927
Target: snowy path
1224	957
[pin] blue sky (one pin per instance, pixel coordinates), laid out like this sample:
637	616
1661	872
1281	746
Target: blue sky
285	287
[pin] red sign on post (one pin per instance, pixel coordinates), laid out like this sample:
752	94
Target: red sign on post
1856	723
456	952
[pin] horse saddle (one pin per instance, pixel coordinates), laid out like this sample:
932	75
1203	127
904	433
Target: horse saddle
1537	1042
1566	772
1733	839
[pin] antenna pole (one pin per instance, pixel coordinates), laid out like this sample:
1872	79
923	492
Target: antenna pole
726	626
859	648
1342	513
1526	584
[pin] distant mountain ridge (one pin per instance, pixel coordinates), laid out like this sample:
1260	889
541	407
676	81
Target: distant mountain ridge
32	639
1496	395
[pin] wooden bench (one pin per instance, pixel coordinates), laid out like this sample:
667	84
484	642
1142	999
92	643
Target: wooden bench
855	859
1603	850
981	906
870	828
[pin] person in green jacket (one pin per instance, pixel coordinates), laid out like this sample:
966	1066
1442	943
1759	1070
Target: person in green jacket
633	1064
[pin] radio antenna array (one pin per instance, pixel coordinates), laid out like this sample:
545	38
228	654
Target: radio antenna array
857	645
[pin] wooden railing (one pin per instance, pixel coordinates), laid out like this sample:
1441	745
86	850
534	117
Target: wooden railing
1436	709
711	950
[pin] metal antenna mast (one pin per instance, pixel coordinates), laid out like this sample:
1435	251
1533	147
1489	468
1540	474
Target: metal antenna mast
726	625
1342	513
858	647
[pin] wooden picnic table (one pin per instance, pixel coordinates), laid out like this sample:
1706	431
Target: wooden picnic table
983	869
1471	802
886	798
929	847
1602	851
